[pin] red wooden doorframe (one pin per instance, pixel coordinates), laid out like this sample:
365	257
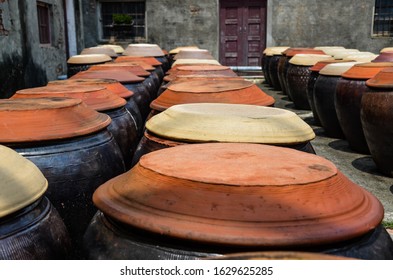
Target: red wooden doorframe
242	32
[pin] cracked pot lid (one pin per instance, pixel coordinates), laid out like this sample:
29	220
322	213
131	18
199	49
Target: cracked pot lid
54	118
213	122
96	97
113	85
212	91
123	77
249	195
21	182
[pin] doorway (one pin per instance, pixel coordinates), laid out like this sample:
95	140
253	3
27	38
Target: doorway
242	32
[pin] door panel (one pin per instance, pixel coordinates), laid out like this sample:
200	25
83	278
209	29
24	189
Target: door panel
242	32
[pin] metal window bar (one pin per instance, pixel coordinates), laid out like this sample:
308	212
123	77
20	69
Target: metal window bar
383	18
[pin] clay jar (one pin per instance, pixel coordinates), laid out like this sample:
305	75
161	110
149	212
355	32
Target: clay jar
324	95
211	90
298	75
386	56
283	63
134	69
349	92
275	54
214	122
311	82
265	65
30	227
131	81
376	117
70	144
78	63
122	127
172	206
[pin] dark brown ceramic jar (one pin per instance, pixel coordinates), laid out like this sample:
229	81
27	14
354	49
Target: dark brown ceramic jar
298	75
349	92
324	95
376	115
172	206
275	53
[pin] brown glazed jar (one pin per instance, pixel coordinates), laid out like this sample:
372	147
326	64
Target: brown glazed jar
376	115
275	54
298	75
122	127
384	57
215	122
30	227
284	63
349	92
211	90
265	66
199	200
324	95
71	145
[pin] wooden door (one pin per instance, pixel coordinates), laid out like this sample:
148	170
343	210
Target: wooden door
242	32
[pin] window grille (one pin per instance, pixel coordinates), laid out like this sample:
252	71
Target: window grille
383	18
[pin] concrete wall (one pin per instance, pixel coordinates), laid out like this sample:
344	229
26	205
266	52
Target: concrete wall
304	23
23	61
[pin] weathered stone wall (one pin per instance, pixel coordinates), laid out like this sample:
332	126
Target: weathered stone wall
23	61
306	23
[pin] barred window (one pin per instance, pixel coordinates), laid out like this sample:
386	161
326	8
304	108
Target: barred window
43	14
383	18
123	20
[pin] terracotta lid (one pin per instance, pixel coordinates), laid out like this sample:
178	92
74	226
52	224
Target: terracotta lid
384	79
118	75
178	49
96	97
100	50
201	71
89	59
195	61
269	49
362	57
118	49
365	71
214	122
150	60
320	64
21	182
40	119
113	85
256	196
279	255
336	69
144	65
143	50
134	69
275	51
252	95
193	54
203	68
292	51
308	59
384	57
210	85
388	49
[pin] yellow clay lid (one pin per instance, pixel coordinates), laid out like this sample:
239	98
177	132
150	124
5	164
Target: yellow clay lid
89	59
21	182
178	49
99	50
118	49
308	59
215	122
336	69
143	50
362	56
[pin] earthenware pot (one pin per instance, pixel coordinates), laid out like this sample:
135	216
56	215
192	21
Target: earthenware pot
214	122
349	92
298	75
30	228
384	57
376	117
213	90
78	63
122	127
71	145
276	54
265	66
172	206
324	95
